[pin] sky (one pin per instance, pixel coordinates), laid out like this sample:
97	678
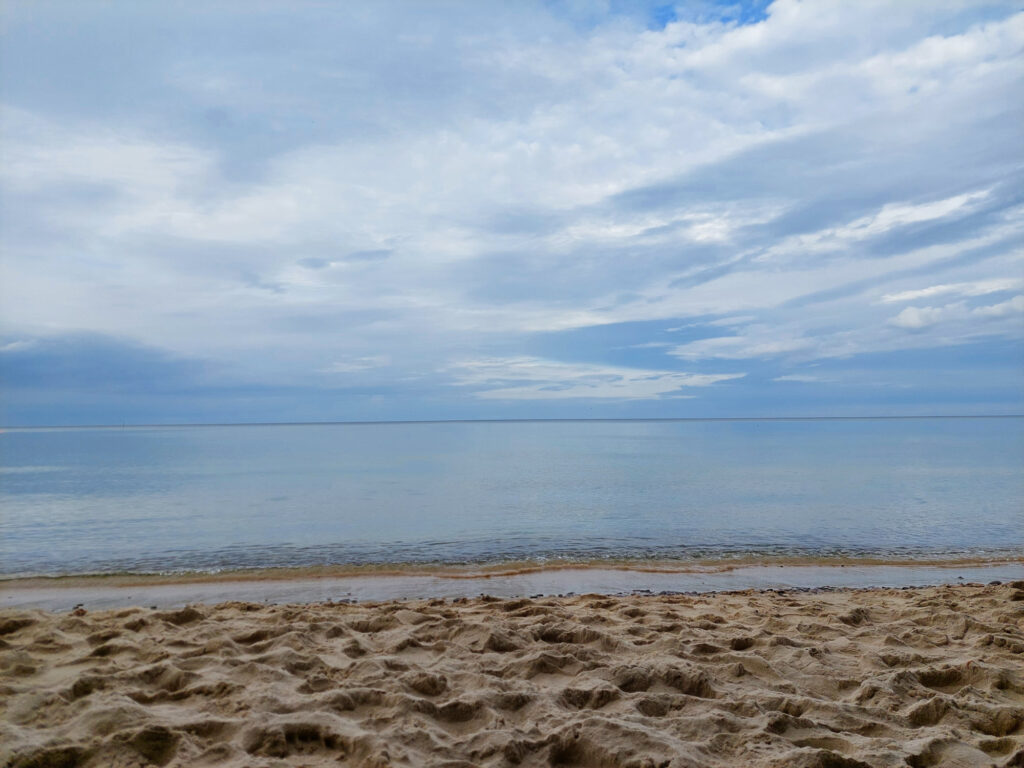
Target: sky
320	211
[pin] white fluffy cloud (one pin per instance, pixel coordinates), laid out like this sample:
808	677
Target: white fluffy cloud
916	318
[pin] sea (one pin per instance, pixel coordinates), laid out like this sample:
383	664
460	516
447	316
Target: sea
221	498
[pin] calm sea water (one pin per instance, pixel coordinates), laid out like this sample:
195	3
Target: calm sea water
209	498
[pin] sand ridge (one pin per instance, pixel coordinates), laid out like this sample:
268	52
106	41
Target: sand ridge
911	677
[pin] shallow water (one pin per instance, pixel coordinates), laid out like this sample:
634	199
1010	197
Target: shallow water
98	593
210	498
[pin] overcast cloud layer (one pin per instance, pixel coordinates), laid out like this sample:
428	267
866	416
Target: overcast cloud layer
312	211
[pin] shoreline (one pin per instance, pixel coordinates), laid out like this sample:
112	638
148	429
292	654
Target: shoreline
498	569
301	586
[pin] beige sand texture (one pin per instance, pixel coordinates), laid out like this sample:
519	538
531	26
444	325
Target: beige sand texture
916	677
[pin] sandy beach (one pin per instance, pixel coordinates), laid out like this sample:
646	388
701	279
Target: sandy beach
881	677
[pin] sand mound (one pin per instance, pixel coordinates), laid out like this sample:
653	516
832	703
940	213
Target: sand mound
921	677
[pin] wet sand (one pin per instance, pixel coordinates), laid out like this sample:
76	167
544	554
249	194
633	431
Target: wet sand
850	678
503	580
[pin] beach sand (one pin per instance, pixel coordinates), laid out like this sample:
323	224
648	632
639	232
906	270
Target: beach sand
881	677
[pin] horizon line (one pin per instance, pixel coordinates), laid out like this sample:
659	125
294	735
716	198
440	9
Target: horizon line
125	425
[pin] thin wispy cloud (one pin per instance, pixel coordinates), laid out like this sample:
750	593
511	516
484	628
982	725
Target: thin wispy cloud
336	218
526	378
959	289
802	378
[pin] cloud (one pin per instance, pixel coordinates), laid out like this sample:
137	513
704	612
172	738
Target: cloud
526	378
429	183
358	364
17	346
962	289
888	217
754	342
89	363
375	254
916	318
1014	306
800	377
